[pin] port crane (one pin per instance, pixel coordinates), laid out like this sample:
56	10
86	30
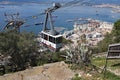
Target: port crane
14	22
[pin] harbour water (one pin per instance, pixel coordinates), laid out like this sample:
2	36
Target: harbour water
63	14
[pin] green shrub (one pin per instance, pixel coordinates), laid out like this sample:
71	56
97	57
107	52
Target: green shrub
77	77
65	41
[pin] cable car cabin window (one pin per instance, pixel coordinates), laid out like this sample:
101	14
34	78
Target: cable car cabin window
51	39
42	35
58	40
113	54
114	48
45	37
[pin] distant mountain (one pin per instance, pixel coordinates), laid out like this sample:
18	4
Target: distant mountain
34	0
105	1
82	1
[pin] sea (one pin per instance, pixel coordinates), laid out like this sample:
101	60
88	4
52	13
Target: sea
60	17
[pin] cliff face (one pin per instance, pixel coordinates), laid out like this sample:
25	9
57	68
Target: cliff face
53	71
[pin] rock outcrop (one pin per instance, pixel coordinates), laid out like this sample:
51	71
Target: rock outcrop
53	71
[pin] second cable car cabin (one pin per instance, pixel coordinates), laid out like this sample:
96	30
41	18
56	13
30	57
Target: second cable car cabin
114	51
50	38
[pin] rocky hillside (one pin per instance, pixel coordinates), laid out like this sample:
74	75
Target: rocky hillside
53	71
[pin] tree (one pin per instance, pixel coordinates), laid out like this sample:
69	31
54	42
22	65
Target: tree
80	54
50	57
116	31
20	46
110	38
103	45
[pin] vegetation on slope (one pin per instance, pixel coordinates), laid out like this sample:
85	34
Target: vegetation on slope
22	50
19	46
113	37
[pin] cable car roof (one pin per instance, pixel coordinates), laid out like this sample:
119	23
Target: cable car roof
48	33
117	44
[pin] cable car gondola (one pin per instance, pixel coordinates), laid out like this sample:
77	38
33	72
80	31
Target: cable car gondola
50	38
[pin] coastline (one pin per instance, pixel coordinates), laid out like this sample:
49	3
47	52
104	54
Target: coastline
94	30
17	3
116	8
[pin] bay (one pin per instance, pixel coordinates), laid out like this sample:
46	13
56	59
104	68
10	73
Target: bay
63	14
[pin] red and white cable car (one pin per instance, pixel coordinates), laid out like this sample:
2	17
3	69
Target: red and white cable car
49	37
